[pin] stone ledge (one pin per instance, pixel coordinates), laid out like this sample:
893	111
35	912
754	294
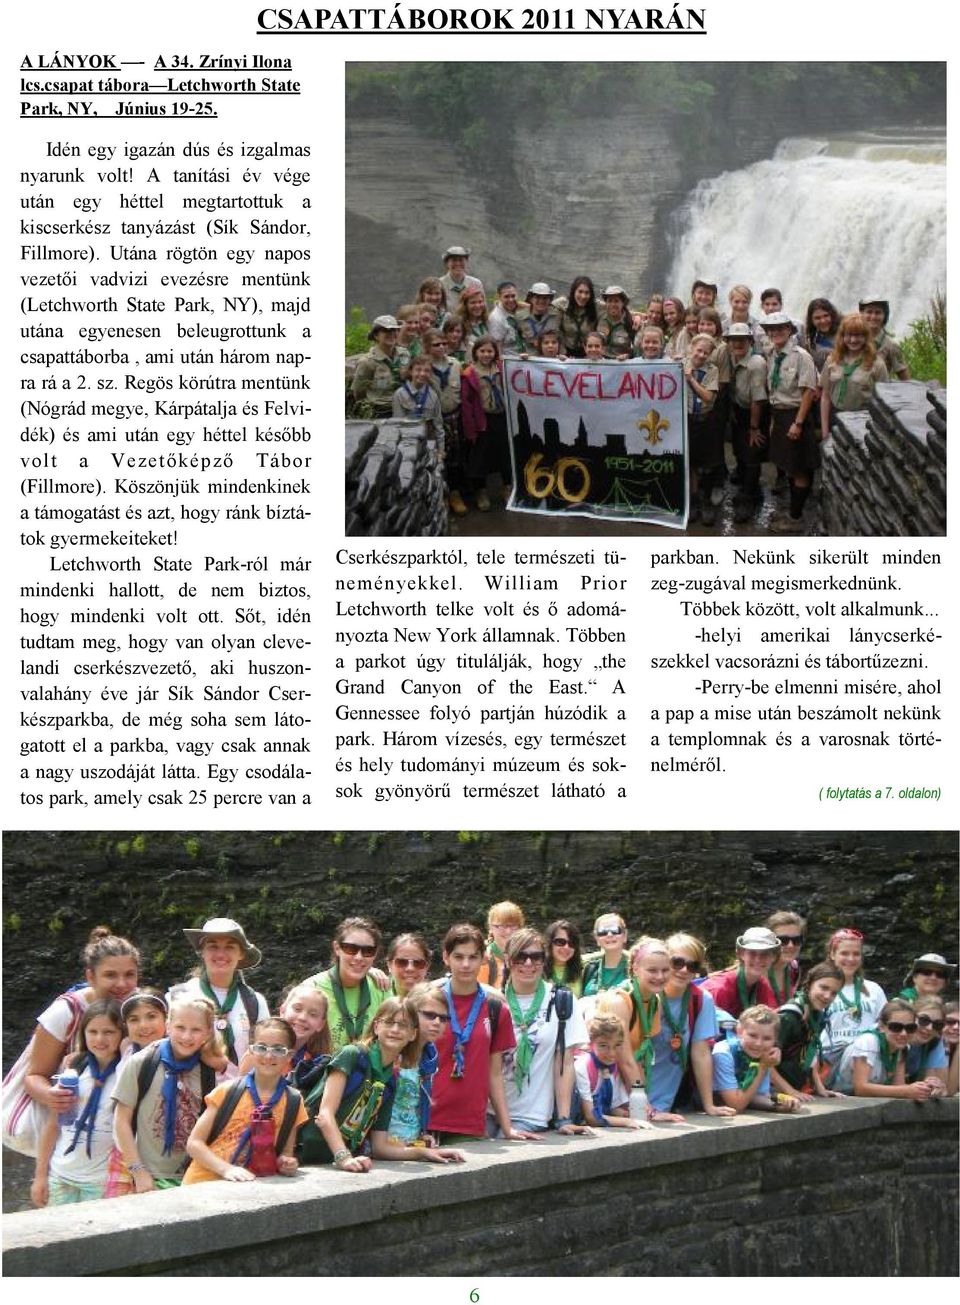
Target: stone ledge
111	1236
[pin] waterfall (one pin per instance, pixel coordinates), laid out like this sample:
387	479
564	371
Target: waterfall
863	213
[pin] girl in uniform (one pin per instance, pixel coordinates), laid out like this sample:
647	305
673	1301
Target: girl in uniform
417	399
610	968
792	384
650	343
446	379
453	338
352	995
851	372
578	316
472	315
673	318
858	1003
801	1023
431	291
688	1028
874	1063
927	1056
820	330
705	437
876	314
614	323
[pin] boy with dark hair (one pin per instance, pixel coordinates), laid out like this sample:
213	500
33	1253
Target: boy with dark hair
470	1052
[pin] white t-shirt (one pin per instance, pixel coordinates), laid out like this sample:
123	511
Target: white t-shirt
536	1102
865	1047
237	1018
57	1019
840	1028
78	1167
620	1094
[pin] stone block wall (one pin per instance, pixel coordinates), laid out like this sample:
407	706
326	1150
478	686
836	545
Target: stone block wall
854	1187
394	480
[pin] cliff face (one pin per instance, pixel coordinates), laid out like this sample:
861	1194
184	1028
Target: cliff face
290	890
577	194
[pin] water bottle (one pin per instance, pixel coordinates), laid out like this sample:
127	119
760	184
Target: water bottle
263	1155
638	1102
70	1081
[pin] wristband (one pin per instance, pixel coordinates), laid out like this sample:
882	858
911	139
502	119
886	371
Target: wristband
341	1155
137	1168
559	1123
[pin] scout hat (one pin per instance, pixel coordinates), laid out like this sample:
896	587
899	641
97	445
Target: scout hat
932	960
616	292
758	940
456	251
738	331
881	303
777	319
540	288
705	285
220	927
385	323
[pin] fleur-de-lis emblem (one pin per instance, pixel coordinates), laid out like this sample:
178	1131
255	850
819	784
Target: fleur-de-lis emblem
653	424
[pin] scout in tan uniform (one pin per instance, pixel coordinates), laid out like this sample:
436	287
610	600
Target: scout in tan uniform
431	291
446	381
740	297
503	320
792	385
615	324
673	317
749	416
418	400
705	441
851	371
703	294
472	314
455	279
408	315
539	316
380	370
876	314
578	315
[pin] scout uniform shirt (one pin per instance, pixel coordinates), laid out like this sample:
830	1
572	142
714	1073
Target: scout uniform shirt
849	390
446	379
505	329
617	336
723	362
749	380
575	326
419	405
796	373
709	378
532	328
378	376
889	350
455	289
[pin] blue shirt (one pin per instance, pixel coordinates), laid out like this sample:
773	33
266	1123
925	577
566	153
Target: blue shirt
725	1075
667	1070
936	1057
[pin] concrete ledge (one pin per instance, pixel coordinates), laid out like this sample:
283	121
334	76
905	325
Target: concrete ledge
189	1226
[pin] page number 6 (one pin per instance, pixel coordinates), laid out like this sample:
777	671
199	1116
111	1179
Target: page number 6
474	1296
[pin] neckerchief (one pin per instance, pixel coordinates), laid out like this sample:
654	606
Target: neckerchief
822	341
746	996
909	994
86	1121
496	394
617	974
888	1057
495	950
745	1069
811	1026
244	1149
647	1015
775	374
677	1027
523	1056
419	397
429	1060
222	1021
603	1096
442	374
855	1007
299	1056
353	1025
697	401
848	369
172	1070
461	1036
786	992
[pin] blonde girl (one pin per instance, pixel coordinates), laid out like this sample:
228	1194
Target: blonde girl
650	343
410	1118
784	972
688	1028
927	1056
610	968
72	1159
858	1003
874	1064
637	1003
155	1115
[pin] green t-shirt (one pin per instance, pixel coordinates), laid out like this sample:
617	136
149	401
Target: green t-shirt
365	1108
339	1034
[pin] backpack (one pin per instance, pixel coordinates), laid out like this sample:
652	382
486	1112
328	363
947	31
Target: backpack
147	1072
561	1003
312	1147
231	1100
24	1118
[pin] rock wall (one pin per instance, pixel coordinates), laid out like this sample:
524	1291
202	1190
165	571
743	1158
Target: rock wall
885	470
290	890
852	1188
394	480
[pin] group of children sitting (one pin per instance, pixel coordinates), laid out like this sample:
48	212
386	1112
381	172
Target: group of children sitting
125	1089
767	387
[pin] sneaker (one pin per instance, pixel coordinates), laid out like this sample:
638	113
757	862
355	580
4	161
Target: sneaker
483	501
457	505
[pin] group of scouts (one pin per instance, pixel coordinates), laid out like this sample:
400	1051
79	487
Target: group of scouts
507	1034
767	386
